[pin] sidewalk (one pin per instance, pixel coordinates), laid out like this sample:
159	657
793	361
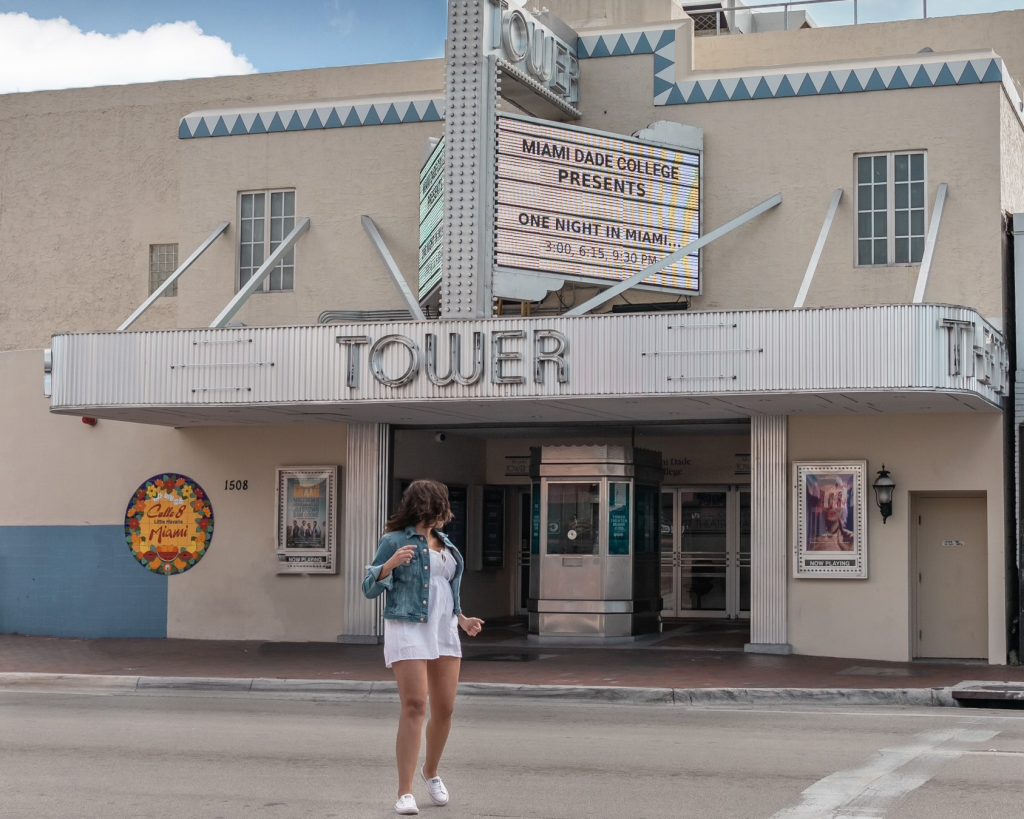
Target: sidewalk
678	660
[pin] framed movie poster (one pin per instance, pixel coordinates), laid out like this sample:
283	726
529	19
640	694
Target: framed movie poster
307	520
829	519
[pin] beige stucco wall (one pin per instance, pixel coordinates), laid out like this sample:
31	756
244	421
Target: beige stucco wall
1000	32
804	148
104	168
60	472
338	175
89	178
1011	162
870	619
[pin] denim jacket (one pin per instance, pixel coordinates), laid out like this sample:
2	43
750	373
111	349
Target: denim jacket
408	587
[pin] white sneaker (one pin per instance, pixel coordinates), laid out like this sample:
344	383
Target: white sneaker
438	792
406	805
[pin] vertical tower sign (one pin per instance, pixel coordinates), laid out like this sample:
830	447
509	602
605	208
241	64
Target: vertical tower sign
487	38
431	220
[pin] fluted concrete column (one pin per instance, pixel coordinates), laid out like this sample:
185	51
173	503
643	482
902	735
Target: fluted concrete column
367	473
769	542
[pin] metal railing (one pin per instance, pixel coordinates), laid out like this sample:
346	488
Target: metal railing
724	17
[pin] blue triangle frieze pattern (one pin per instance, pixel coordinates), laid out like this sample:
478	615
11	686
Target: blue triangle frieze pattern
835	81
706	89
667	89
324	116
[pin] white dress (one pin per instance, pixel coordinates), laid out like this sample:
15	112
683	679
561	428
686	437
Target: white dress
437	637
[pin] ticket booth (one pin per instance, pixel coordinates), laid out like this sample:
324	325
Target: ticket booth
595	569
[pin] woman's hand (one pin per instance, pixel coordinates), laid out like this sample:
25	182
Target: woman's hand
471	625
403	557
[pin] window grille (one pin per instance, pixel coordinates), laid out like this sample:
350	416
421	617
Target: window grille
163	261
261	230
891	208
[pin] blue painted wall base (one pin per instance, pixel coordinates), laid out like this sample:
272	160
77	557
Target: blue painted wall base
77	581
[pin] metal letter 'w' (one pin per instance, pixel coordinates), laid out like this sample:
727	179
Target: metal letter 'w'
455	360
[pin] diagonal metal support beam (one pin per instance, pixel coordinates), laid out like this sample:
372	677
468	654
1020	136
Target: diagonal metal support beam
812	265
242	296
929	243
389	262
177	274
674	257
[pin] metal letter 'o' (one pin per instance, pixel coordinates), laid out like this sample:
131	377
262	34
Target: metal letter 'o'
377	360
515	36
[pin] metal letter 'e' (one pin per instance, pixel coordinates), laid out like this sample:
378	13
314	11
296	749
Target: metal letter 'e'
501	356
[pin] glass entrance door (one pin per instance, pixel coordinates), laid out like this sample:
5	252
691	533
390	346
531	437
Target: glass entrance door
705	552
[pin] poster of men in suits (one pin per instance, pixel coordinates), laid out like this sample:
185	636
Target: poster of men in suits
306	519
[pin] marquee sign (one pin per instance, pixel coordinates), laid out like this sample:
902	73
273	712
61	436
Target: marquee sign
594	206
168	524
431	220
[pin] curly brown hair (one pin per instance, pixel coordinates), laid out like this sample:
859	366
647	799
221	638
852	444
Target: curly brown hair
422	502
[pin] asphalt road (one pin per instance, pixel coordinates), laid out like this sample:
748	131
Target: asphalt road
177	754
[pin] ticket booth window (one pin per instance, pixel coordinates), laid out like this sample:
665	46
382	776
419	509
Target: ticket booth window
573	518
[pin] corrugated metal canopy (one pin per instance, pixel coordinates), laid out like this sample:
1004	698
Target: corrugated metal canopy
617	368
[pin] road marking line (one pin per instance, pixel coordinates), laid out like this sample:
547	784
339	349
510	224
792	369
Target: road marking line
885	778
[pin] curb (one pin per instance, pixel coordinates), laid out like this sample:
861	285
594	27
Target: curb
941	697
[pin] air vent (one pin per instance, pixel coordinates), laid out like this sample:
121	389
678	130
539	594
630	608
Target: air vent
361	316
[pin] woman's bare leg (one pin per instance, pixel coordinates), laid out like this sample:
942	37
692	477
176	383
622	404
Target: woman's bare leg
443	683
411	676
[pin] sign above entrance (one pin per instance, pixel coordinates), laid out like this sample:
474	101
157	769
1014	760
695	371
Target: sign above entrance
534	51
594	206
578	367
396	360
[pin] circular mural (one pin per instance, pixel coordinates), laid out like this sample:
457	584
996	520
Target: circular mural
169	523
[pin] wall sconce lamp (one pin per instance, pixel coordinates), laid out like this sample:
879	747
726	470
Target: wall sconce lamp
884	486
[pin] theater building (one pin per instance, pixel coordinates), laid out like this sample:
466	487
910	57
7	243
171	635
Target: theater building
692	326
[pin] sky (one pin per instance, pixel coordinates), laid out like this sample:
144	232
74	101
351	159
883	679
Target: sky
47	44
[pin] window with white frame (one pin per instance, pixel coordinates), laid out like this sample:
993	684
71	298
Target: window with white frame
265	218
890	208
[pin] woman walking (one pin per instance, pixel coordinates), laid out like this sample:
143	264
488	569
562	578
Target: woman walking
422	573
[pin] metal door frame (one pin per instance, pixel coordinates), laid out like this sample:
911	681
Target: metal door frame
733	560
736	559
523	496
